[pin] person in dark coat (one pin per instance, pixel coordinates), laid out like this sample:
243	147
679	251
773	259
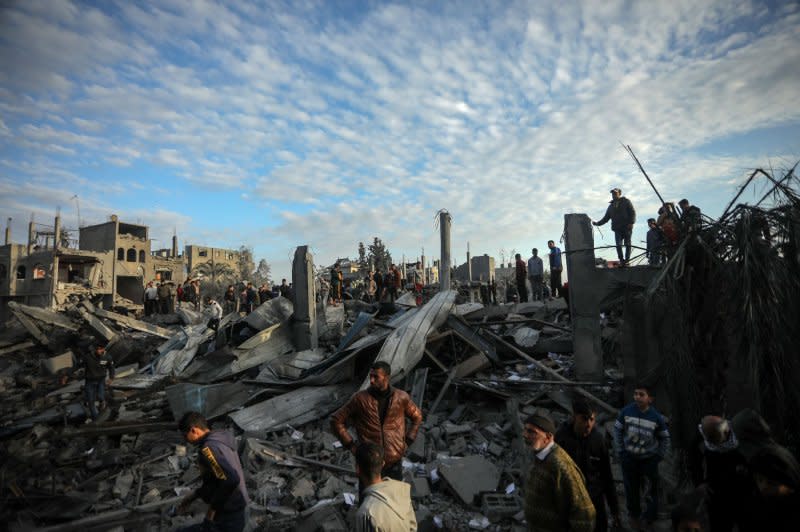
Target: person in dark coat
97	366
588	450
716	463
655	243
622	215
777	475
223	487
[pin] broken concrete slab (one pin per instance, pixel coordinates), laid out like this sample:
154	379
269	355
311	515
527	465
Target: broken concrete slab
44	315
53	365
292	408
212	400
471	365
272	312
469	476
129	322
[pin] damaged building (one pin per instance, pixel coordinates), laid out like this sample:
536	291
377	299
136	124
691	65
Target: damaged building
110	263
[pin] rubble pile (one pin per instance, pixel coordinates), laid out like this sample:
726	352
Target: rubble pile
475	371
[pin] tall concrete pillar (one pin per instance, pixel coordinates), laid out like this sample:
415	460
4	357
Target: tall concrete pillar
585	293
444	264
469	265
8	231
174	246
31	236
305	300
424	270
57	232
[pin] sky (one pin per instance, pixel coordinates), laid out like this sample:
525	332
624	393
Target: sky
278	124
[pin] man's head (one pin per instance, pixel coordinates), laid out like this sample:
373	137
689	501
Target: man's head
651	222
538	431
583	418
193	426
684	204
369	462
99	350
283	282
551	244
616	193
379	374
535	252
715	429
643	396
518	256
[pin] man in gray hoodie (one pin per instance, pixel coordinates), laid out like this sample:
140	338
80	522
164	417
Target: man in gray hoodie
223	486
386	504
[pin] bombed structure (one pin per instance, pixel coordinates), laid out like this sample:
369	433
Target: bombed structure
713	330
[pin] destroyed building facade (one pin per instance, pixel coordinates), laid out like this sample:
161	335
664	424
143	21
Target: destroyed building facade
196	255
108	261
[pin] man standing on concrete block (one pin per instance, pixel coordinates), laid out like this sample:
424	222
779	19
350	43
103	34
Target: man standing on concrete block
97	365
379	416
536	275
520	275
556	267
555	491
386	503
588	450
622	215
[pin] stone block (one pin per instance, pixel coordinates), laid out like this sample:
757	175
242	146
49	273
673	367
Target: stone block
57	363
497	506
417	450
469	476
420	487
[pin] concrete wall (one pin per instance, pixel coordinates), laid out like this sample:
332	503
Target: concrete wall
100	237
192	256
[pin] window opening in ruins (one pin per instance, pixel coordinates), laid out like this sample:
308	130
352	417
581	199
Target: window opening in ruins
39	272
131	255
203	253
21	272
121	254
141	255
164	275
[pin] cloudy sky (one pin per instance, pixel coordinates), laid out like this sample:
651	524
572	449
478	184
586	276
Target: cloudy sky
329	122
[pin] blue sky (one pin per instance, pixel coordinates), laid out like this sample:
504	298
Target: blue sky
328	123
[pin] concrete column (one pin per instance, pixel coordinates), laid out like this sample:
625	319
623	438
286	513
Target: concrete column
31	237
444	263
174	246
8	231
57	232
585	293
469	265
304	323
424	270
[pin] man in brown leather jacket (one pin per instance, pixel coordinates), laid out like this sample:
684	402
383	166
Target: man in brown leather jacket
379	416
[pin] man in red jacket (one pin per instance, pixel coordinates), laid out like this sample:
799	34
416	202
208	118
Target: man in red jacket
379	416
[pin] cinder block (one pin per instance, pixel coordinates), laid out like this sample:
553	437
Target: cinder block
496	506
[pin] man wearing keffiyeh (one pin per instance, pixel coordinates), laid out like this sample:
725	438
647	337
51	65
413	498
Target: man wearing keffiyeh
717	463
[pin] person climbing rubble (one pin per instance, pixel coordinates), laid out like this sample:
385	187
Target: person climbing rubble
97	366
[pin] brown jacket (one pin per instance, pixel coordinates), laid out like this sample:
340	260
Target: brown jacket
362	411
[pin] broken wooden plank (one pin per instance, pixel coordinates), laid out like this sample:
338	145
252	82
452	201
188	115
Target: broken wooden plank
607	407
471	365
29	325
436	360
442	391
45	316
405	346
292	408
289	459
467	333
129	322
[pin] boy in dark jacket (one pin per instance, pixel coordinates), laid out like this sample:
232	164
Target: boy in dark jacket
642	440
588	450
223	486
97	365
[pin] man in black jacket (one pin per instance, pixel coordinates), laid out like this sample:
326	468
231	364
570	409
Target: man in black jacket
97	365
223	486
622	215
588	450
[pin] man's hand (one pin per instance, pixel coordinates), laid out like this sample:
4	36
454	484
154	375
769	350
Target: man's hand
352	447
109	381
210	514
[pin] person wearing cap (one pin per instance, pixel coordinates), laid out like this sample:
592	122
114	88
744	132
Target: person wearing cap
556	498
622	215
96	366
588	450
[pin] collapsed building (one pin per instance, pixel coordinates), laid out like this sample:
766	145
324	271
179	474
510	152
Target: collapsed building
275	375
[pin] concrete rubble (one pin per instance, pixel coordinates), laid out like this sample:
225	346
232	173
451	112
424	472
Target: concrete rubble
274	377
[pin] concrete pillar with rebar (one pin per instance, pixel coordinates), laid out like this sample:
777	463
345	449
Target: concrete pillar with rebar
444	263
